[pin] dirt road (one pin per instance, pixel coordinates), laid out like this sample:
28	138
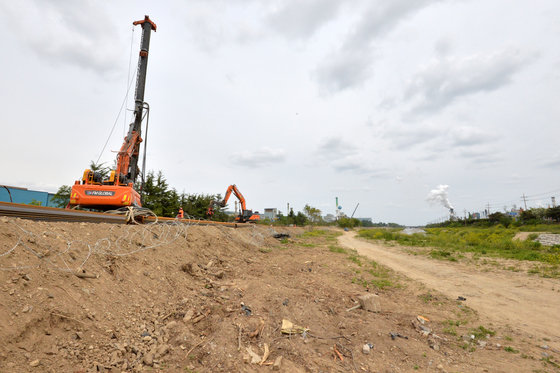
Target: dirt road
522	301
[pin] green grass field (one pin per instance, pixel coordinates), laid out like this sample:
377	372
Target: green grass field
494	241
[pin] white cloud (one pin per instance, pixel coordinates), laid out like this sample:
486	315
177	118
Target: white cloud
66	32
351	65
301	19
258	158
447	79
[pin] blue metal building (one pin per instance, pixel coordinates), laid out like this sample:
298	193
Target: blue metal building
26	196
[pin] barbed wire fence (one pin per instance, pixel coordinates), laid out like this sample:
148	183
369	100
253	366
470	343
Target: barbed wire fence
119	241
26	246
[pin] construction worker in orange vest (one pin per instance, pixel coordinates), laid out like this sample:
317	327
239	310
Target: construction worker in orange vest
180	215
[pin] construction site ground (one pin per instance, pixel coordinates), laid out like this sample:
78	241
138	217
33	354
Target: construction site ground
86	297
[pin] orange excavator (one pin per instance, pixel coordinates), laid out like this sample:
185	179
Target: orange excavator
245	216
118	189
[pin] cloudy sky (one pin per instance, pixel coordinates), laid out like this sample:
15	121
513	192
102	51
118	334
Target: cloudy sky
295	101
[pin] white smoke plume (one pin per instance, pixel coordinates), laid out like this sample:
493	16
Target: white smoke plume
439	195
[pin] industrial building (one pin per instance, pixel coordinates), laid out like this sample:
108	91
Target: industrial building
25	196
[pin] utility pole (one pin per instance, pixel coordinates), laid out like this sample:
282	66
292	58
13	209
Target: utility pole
288	209
525	201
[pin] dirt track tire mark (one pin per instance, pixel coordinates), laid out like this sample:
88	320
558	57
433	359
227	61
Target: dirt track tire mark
517	299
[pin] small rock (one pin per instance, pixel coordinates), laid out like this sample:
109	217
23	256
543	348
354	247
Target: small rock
482	343
147	338
544	354
369	302
35	363
433	344
366	349
162	350
188	316
220	274
26	309
114	358
277	363
440	367
545	347
149	359
12	291
253	357
171	325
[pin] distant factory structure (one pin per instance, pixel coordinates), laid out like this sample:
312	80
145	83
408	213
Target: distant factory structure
270	214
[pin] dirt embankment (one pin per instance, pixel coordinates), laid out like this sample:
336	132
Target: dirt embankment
521	301
181	298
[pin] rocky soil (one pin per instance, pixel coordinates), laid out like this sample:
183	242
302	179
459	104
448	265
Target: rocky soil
80	297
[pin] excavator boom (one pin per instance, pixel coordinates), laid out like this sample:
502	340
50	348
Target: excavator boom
246	215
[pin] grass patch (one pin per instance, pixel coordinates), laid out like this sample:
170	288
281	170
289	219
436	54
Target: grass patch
547	271
371	273
450	330
450	243
511	349
548	360
443	255
315	233
481	332
337	249
308	245
426	298
355	259
451	326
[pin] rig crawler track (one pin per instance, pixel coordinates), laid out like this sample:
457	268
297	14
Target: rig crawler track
41	213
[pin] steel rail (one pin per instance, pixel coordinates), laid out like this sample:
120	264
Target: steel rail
41	213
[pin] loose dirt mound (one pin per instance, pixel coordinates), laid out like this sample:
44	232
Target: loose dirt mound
191	298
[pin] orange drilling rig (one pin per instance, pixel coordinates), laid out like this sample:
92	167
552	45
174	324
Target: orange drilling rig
245	216
118	189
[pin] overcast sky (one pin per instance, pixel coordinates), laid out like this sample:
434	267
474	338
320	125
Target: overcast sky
295	101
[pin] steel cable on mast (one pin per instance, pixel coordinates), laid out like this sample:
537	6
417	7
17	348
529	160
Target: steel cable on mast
129	83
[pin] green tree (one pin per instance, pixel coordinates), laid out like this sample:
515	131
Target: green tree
62	197
528	217
553	213
196	205
348	222
313	214
158	197
100	168
300	219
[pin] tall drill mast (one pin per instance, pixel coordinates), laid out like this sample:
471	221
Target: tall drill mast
127	161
